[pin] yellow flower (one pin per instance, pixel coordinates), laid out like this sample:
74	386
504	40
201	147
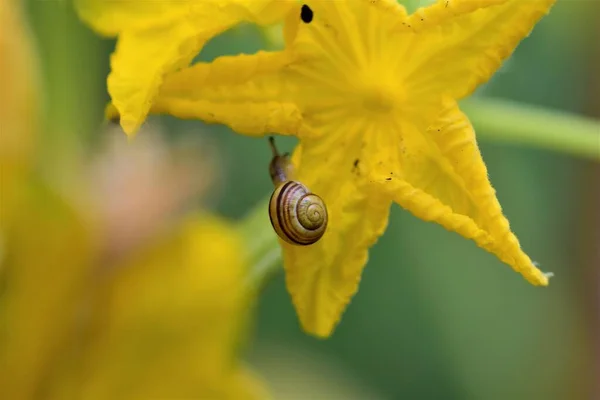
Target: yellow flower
46	259
372	94
165	323
171	320
18	104
158	37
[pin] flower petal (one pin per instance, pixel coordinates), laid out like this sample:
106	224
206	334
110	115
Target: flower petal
111	17
323	277
463	44
170	320
139	64
156	38
19	104
442	178
243	92
47	259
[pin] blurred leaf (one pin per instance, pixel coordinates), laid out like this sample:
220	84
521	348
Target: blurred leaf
73	86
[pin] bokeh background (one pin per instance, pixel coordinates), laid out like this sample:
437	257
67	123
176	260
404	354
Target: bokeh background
435	317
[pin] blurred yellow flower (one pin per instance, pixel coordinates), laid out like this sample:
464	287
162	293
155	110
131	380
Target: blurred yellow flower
18	103
372	94
166	322
169	322
158	37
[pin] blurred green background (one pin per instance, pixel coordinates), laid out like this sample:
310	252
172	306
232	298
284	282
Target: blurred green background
435	317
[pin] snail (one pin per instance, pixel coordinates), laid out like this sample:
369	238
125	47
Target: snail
298	216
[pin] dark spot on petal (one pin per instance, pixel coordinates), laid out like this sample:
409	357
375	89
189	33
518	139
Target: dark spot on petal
306	14
355	168
388	179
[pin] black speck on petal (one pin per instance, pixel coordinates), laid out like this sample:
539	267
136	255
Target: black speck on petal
306	14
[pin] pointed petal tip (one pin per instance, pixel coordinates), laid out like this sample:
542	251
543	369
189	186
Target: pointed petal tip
129	126
321	335
317	323
319	330
541	278
320	320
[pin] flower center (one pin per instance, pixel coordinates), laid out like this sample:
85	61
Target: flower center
380	98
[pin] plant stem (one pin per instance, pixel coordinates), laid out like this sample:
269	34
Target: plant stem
494	120
262	244
526	125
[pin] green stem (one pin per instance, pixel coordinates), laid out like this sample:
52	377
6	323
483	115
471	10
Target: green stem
531	126
262	245
494	120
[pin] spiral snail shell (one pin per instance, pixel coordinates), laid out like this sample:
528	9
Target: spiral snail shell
298	216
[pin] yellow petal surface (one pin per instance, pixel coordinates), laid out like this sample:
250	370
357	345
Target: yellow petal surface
441	177
462	43
243	92
169	322
18	103
47	256
158	37
322	277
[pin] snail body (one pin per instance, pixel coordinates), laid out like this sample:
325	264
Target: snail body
298	216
